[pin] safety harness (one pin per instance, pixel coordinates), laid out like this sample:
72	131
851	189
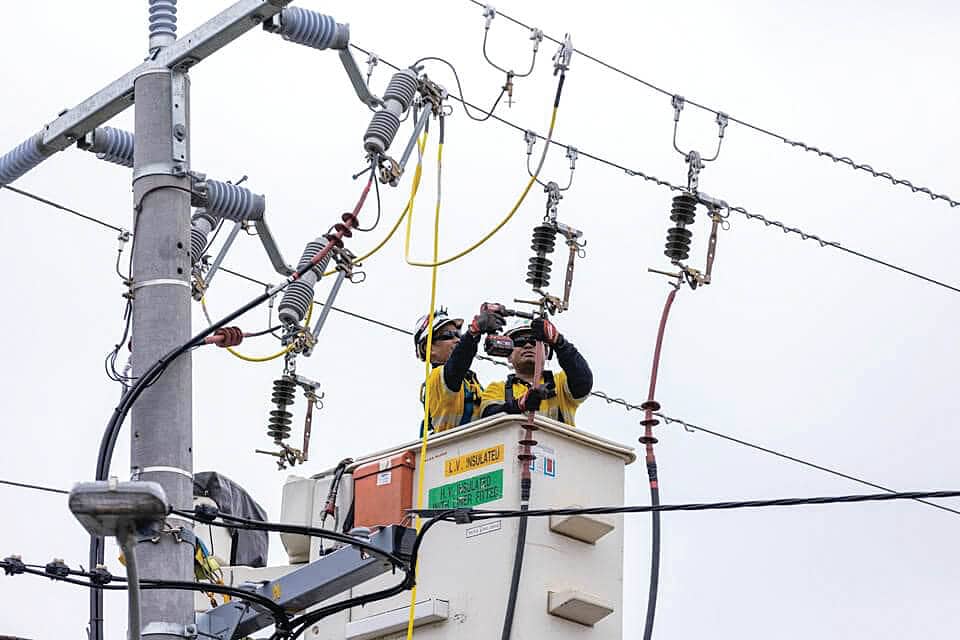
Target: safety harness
471	399
548	382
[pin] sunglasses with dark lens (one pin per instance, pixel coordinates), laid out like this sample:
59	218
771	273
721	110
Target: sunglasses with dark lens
446	335
524	341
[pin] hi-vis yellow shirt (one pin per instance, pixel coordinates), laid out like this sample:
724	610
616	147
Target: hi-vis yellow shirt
449	409
561	407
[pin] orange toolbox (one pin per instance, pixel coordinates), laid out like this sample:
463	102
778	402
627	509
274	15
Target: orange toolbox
383	491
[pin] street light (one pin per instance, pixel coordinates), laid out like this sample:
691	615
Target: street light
123	510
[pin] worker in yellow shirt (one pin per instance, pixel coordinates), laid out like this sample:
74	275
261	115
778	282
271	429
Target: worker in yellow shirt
454	387
555	395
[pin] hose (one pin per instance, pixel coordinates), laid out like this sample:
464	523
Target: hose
427	360
513	210
648	440
287	349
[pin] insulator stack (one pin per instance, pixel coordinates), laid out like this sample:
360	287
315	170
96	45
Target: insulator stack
396	100
284	393
313	29
299	294
233	202
26	156
112	145
201	224
682	213
163	18
538	271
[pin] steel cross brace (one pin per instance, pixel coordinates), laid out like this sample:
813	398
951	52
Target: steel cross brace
302	588
180	55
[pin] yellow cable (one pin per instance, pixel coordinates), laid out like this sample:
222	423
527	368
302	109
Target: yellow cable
282	352
426	399
396	225
523	195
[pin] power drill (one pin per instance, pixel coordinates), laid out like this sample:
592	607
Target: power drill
497	345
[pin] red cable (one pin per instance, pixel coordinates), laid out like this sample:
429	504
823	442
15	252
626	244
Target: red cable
651	405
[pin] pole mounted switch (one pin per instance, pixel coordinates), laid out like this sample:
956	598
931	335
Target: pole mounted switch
385	123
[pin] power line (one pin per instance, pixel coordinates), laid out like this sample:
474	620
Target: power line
768	222
782	138
61	207
36	487
599	394
463	516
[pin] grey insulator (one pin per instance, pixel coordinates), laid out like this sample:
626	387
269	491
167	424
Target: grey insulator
313	29
299	294
402	88
385	123
26	156
201	224
163	18
232	202
113	145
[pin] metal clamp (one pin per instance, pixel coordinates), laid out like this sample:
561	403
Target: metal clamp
169	629
561	59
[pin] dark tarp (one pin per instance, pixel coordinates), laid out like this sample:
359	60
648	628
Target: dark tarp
249	547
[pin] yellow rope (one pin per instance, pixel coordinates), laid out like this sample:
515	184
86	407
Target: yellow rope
426	400
500	225
274	356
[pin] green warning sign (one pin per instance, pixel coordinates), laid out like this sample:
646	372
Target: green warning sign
468	492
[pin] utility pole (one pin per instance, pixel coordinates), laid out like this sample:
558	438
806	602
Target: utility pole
162	429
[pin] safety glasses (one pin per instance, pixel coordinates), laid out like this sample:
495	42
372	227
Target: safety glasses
446	335
524	341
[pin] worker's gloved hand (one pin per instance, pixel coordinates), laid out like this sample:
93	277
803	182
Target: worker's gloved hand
545	331
530	401
489	320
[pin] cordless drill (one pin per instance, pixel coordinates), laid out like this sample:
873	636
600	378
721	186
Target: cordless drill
497	345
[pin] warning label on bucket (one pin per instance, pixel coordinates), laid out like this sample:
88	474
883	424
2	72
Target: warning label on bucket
473	460
468	492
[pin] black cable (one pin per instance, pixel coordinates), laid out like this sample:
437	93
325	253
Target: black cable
653	588
307	619
263	332
518	554
456	77
740	210
281	619
695	427
237	522
376	187
793	143
470	515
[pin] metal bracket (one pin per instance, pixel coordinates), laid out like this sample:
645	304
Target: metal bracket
180	144
165	629
356	79
561	59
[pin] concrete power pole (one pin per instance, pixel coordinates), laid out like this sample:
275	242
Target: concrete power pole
162	428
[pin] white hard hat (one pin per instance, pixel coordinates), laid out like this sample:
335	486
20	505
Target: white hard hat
440	318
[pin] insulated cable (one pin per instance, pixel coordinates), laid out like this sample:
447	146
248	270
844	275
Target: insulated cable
609	399
284	351
767	222
470	515
428	360
648	441
506	219
793	143
132	393
99	581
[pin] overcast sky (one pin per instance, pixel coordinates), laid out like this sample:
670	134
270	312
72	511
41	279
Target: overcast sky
800	348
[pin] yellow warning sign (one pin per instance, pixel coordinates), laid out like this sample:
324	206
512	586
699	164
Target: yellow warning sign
473	460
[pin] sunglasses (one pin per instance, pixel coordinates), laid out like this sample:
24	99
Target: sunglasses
446	335
524	341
